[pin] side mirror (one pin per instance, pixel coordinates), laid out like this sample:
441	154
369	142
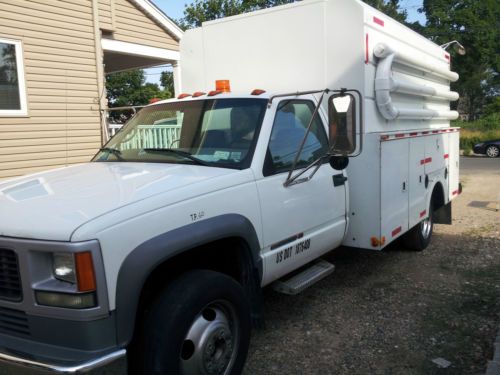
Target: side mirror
339	162
343	127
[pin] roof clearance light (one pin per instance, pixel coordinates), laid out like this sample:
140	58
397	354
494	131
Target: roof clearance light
213	93
258	92
223	85
182	96
197	94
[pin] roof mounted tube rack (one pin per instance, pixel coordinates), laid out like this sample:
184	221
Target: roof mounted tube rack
385	84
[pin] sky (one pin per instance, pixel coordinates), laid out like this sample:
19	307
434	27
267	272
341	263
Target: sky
175	10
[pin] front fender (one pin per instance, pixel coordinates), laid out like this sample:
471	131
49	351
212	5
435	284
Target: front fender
145	258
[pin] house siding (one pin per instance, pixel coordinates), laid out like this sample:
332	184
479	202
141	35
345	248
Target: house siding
106	14
63	122
133	26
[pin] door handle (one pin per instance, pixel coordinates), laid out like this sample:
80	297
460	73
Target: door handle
339	179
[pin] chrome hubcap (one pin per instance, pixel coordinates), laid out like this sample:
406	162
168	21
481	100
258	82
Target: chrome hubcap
492	152
210	344
426	226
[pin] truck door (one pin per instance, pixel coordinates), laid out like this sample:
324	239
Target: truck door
307	219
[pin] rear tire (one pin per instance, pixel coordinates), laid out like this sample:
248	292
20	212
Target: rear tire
200	324
419	237
492	151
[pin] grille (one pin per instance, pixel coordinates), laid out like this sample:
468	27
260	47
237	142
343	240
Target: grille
10	282
13	322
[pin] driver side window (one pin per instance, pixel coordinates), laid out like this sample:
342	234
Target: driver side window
289	128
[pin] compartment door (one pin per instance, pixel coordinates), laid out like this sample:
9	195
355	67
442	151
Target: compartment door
394	188
417	194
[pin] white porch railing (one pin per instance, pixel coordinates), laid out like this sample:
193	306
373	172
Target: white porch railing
153	136
144	136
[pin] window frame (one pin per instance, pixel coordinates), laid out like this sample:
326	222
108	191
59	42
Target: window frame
21	81
267	173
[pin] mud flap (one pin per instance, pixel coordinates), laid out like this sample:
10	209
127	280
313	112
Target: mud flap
443	215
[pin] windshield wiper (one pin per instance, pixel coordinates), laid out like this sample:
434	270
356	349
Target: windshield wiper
113	151
184	154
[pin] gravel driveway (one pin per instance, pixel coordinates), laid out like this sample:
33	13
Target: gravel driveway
396	311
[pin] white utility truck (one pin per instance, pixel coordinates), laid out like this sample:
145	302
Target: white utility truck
329	125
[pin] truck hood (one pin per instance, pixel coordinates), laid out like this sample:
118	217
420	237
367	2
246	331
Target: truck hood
51	205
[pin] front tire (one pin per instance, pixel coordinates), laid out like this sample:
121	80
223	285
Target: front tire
199	325
492	151
419	237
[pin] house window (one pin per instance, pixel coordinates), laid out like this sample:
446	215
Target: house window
12	87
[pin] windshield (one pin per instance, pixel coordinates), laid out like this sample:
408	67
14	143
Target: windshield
216	132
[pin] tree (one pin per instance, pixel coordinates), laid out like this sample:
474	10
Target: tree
206	10
475	24
130	89
167	82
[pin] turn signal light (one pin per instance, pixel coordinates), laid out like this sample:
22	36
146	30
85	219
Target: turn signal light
85	272
223	85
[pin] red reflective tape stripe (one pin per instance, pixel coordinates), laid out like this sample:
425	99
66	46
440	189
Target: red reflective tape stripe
396	231
435	131
422	162
422	214
401	135
446	156
455	192
413	134
378	21
428	160
367	55
425	132
384	137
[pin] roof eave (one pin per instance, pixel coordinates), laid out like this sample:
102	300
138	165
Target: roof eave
149	8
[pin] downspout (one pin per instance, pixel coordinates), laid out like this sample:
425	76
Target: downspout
101	86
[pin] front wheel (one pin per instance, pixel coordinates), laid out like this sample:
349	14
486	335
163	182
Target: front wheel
492	151
419	237
200	325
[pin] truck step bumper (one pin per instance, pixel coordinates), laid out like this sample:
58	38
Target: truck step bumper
33	366
305	278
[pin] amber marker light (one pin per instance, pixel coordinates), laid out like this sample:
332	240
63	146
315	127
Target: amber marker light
374	241
258	92
85	272
223	85
213	93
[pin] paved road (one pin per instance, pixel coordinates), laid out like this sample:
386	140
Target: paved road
478	164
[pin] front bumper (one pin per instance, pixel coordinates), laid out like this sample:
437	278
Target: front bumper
110	363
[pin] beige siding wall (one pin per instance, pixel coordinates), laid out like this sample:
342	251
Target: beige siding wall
106	14
133	26
62	126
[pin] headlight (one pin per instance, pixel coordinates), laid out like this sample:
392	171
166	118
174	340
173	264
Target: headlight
64	267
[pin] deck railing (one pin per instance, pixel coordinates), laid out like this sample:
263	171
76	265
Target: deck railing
146	136
153	136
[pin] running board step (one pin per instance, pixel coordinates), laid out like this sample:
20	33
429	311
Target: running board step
304	279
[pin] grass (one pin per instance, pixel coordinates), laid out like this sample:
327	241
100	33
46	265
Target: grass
481	130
